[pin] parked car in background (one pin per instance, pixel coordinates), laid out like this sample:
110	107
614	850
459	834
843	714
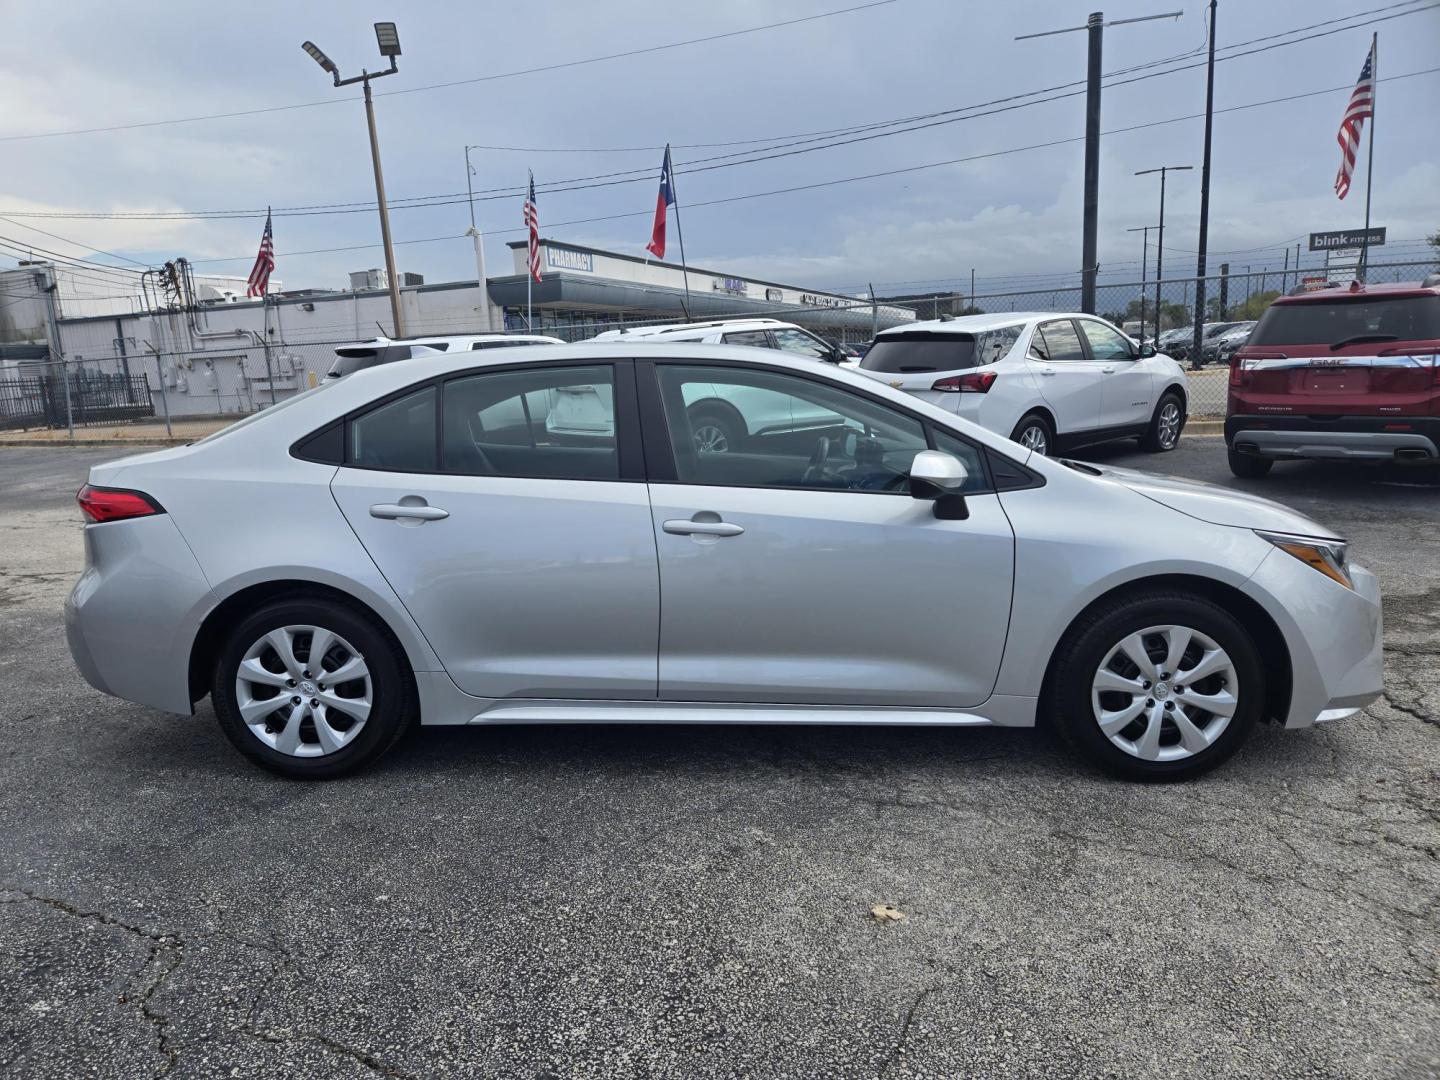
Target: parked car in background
755	333
1181	349
1349	373
441	563
352	358
1220	348
1048	381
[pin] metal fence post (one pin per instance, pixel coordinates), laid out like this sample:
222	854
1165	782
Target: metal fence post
164	397
65	376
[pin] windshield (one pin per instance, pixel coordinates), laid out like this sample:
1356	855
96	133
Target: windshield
921	351
1400	318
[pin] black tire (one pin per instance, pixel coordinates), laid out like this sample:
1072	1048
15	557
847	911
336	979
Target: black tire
1036	427
1157	441
714	431
394	709
1068	706
1248	466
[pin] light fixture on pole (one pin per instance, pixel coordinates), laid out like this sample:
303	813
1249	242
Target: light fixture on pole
1089	257
388	40
1160	239
1145	251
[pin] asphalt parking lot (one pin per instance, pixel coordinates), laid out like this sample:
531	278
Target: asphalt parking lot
696	902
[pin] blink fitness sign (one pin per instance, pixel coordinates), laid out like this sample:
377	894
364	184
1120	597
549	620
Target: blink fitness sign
1346	238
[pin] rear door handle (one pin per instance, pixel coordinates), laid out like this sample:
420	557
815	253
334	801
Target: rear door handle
686	527
392	511
1047	373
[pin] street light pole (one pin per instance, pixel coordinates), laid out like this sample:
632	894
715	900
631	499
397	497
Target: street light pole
1160	240
1089	245
479	240
1196	361
1144	253
389	42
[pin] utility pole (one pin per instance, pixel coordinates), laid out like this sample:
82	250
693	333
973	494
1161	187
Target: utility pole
474	233
1089	250
48	285
388	40
1160	240
1144	252
1196	361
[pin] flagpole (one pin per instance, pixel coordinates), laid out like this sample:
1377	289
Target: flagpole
530	277
1370	153
679	232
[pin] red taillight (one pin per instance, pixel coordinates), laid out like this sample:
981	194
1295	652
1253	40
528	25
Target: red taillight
115	504
1236	376
976	382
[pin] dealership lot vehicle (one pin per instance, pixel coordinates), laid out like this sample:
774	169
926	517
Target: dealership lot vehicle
451	560
1342	373
1181	348
352	358
1219	349
755	333
1048	381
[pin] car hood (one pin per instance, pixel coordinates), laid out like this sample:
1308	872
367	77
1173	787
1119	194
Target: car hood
1215	504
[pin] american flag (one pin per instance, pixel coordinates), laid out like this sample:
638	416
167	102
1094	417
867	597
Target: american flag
532	222
264	262
1360	109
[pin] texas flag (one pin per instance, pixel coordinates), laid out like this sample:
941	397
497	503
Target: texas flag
663	202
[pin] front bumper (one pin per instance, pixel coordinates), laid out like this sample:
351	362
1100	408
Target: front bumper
1354	438
1334	636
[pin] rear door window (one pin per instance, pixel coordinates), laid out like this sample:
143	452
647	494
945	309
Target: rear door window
758	339
398	436
1062	342
1400	318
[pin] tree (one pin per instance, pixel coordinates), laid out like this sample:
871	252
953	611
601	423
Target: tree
1434	240
1255	306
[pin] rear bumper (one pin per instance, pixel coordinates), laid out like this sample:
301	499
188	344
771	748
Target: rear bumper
1356	438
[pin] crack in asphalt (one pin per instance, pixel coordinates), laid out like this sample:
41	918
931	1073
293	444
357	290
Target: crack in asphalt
167	952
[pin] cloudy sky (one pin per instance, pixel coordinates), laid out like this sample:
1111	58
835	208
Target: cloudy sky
1013	216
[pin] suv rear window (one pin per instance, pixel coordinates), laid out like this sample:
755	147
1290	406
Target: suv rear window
1326	322
922	352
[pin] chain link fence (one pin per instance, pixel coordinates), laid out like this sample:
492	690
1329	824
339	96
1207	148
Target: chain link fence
208	382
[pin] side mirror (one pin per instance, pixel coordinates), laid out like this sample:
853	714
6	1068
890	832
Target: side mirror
837	354
1146	351
940	477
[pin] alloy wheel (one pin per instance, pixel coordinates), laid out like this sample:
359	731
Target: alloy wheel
711	439
304	691
1034	438
1169	429
1165	693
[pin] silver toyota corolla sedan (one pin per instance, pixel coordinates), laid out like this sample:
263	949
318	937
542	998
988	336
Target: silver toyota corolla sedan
538	536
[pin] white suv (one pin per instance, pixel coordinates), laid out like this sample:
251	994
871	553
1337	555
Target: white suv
757	333
1047	380
352	358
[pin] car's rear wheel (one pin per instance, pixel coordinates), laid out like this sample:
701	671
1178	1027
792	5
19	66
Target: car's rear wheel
312	689
1156	687
1247	466
1165	425
1033	432
713	432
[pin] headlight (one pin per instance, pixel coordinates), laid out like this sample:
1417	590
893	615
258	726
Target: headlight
1327	556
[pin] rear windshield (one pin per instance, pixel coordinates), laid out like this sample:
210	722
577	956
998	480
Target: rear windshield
1400	318
923	352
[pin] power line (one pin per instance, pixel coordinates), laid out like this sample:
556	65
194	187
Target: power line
859	134
458	82
851	179
77	243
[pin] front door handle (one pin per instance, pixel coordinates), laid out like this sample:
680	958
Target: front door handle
1047	372
687	527
1108	370
392	511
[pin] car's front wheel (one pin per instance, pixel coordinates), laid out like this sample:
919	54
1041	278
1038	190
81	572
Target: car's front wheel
1166	425
714	432
312	689
1160	686
1033	433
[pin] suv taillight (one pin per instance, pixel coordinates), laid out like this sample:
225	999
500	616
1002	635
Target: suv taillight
976	382
114	504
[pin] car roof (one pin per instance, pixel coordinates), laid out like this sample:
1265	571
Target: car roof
976	324
1359	291
451	339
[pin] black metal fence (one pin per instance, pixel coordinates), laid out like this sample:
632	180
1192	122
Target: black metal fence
85	398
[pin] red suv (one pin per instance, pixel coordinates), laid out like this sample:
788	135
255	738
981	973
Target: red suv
1350	373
